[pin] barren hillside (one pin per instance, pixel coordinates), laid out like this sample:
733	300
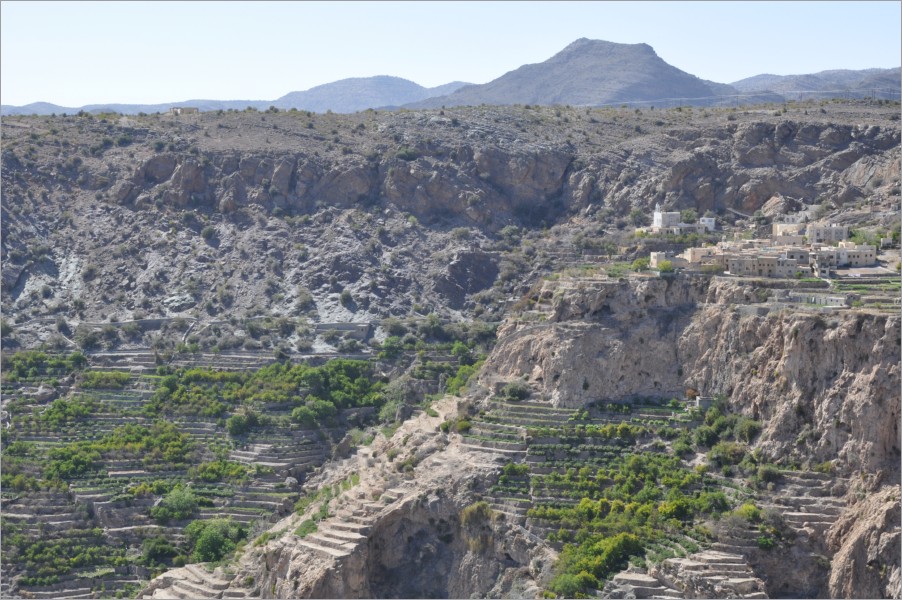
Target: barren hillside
287	354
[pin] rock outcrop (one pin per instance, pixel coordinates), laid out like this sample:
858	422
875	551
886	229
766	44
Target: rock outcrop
866	542
393	519
826	388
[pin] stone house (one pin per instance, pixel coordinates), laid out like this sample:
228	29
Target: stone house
827	234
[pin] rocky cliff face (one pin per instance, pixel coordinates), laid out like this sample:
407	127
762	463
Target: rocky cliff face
142	202
866	541
826	388
741	166
211	217
614	340
423	537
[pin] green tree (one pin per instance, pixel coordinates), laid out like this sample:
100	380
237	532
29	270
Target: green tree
391	348
178	504
157	550
640	264
746	429
214	539
638	217
690	215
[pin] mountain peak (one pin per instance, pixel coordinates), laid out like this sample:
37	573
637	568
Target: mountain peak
588	45
587	73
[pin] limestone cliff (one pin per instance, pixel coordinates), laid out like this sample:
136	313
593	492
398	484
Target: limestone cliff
825	387
866	541
397	533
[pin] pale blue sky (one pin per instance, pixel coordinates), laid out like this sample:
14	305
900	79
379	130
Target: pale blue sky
76	53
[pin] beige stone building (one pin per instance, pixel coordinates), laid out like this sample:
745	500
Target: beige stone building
827	234
778	229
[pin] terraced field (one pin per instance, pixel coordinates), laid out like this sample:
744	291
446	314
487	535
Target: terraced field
92	453
576	477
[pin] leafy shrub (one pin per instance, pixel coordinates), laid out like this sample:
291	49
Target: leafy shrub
706	436
825	467
407	154
306	527
746	429
749	512
766	542
219	470
177	505
597	557
640	264
476	514
726	453
769	473
240	424
391	348
157	550
681	447
115	380
514	469
394	327
71	460
464	374
35	364
665	266
213	539
516	390
89	272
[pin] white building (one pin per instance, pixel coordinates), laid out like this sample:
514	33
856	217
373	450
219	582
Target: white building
662	220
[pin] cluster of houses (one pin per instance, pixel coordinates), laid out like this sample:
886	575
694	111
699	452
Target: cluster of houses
795	249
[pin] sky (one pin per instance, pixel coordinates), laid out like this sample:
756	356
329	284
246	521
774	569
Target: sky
77	53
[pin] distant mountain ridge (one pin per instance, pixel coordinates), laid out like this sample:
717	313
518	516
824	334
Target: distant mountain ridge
871	81
585	73
344	96
361	93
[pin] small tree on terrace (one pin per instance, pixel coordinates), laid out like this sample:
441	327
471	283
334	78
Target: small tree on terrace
689	215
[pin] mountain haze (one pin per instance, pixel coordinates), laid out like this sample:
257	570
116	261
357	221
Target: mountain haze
344	96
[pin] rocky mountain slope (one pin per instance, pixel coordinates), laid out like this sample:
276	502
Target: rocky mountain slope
425	517
176	207
243	238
